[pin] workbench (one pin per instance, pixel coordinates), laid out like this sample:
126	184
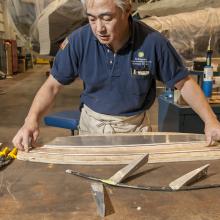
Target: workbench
44	191
173	117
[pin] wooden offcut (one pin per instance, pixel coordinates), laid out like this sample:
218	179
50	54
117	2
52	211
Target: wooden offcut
98	192
189	178
122	149
129	169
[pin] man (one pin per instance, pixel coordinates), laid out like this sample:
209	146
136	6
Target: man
119	60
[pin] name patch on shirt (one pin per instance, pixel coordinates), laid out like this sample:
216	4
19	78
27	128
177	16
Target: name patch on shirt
140	65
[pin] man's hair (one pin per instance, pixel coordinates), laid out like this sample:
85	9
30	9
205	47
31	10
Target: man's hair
122	4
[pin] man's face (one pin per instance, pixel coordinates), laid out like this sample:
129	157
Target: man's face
108	22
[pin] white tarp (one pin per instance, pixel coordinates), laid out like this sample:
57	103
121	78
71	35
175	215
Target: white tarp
23	15
169	7
55	22
190	32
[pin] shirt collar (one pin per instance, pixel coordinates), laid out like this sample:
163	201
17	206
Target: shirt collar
131	30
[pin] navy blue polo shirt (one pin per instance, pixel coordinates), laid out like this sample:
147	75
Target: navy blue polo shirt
122	83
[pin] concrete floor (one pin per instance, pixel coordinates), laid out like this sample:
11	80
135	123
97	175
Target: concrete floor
16	95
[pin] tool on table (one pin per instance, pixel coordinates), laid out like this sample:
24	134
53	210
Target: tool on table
4	153
7	156
146	188
187	179
180	184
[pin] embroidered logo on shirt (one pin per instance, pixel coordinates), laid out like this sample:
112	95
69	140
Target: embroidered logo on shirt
140	54
64	44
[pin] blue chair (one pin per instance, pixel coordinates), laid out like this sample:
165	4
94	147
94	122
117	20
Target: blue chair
64	119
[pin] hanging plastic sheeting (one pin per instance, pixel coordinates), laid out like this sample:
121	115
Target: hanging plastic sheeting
23	15
190	32
40	5
169	7
56	22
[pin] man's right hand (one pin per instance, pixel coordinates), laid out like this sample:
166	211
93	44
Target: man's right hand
26	136
43	100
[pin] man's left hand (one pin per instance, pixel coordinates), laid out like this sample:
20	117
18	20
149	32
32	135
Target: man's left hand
212	132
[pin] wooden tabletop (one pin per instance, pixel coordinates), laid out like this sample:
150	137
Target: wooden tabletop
44	191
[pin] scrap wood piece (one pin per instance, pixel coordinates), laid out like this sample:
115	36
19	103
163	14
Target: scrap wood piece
190	177
102	199
123	173
99	197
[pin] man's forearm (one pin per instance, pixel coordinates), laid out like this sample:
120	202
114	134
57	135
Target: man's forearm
43	99
194	96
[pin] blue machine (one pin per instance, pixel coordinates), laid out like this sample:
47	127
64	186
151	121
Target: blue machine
64	119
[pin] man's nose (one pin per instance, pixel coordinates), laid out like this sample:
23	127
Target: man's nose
100	26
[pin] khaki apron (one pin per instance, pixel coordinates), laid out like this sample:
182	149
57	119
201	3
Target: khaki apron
95	123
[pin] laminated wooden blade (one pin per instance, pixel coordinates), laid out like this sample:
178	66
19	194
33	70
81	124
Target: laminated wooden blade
123	149
129	169
189	177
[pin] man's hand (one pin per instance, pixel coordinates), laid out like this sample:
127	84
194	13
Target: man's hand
212	131
43	100
26	136
194	96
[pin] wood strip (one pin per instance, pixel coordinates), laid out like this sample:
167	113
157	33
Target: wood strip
133	149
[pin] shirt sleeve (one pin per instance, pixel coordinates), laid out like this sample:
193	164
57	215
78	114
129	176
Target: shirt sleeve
171	67
66	63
